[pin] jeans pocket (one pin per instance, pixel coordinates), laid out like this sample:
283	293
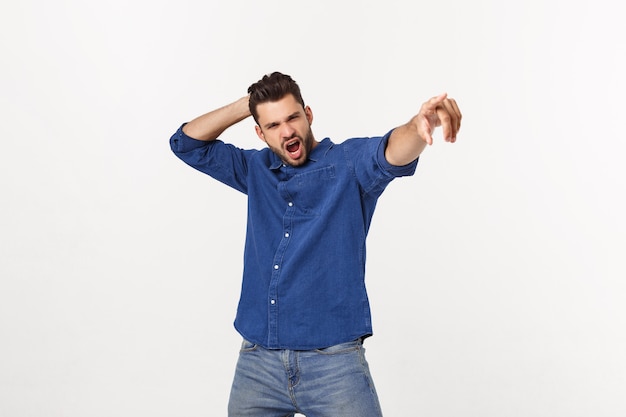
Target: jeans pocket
340	348
247	346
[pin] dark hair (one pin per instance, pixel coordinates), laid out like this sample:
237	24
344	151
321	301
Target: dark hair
272	87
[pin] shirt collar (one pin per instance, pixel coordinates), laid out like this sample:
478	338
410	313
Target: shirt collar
317	153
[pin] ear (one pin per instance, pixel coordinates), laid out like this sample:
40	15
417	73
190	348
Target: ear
309	114
259	133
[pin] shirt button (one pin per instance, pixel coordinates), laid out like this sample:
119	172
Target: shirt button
275	266
290	204
286	234
272	302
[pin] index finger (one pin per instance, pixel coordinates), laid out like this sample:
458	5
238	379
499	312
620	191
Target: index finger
435	101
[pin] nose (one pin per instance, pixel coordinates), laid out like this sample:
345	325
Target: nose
287	131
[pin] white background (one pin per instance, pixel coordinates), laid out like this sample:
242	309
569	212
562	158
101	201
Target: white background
496	273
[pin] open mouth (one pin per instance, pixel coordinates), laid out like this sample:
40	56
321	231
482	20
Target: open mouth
293	148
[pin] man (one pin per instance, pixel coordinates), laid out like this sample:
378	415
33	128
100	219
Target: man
304	311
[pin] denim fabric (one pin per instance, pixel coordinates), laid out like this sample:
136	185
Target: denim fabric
334	381
304	261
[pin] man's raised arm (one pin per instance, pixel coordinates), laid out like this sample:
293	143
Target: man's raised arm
210	126
408	141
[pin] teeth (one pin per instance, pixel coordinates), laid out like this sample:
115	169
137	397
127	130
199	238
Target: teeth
292	148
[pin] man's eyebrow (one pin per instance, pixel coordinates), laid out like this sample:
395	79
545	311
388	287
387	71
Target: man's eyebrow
291	116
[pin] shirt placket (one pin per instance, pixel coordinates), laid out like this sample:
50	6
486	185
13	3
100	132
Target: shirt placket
277	265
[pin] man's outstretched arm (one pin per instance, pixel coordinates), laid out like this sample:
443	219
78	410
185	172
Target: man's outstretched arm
210	126
408	141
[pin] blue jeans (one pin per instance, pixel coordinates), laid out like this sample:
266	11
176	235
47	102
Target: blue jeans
330	382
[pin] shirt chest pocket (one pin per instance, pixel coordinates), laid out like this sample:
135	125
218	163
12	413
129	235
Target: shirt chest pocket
314	190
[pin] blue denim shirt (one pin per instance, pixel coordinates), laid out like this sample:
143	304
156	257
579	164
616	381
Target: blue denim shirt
304	262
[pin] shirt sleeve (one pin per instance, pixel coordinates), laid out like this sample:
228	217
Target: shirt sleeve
395	171
223	162
371	168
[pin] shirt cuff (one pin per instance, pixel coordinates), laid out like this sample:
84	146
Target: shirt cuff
396	171
181	143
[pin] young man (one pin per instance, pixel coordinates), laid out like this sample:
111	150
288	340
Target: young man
304	311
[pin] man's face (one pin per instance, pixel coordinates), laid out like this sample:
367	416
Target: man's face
286	128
